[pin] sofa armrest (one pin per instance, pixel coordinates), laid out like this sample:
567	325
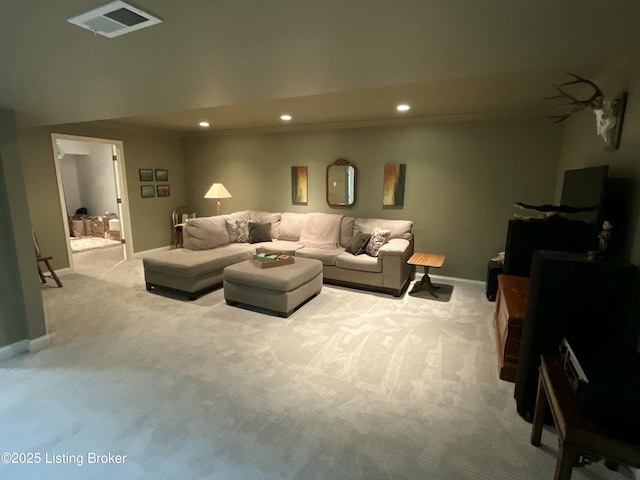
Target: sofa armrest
395	269
395	246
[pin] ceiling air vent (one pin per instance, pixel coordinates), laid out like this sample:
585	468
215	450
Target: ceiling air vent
114	19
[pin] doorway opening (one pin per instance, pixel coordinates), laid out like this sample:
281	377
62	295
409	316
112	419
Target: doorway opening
93	197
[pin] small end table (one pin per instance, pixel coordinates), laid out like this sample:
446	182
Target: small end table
427	260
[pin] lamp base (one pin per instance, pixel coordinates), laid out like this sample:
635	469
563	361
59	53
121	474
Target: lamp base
219	207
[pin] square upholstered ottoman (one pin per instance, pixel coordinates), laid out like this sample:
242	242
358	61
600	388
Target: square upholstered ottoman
281	289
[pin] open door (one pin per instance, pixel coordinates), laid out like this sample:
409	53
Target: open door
110	186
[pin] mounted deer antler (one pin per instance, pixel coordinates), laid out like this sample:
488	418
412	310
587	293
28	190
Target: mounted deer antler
606	111
594	101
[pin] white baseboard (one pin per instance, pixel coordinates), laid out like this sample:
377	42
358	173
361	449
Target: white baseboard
24	346
63	271
14	349
39	343
151	252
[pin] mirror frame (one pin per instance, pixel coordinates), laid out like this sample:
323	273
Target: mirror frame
341	162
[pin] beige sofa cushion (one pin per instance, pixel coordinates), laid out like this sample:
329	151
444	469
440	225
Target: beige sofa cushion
346	230
206	233
290	225
362	263
398	228
186	263
327	257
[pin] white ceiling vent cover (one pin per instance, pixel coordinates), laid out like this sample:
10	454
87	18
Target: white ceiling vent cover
114	19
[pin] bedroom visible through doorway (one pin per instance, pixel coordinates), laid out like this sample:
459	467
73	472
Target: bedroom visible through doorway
93	199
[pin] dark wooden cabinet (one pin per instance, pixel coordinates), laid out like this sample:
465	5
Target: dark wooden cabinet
508	318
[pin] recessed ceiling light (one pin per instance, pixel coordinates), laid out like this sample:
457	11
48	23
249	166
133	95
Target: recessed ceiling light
403	107
204	124
285	117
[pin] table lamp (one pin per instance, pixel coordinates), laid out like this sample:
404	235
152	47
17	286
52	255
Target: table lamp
217	191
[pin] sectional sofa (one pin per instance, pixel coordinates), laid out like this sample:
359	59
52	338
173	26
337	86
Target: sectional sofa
213	243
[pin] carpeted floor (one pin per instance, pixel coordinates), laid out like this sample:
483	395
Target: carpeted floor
354	385
82	244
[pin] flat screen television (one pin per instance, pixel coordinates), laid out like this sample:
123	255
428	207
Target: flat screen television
574	232
585	187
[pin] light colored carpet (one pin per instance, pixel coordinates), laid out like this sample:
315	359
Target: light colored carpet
354	385
82	244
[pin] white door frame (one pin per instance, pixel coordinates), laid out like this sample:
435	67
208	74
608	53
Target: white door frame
121	191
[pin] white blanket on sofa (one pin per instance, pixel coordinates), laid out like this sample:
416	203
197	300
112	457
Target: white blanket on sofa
321	230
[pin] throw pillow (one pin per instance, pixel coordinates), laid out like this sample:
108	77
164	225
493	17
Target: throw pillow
243	231
358	243
259	232
378	238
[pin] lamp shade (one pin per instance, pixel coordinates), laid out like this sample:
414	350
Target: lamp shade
217	190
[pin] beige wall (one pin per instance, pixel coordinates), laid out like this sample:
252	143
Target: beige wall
21	311
462	178
143	148
582	148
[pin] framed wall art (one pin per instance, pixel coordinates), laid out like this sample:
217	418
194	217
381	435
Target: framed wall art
299	182
146	174
393	185
618	108
164	191
147	191
162	175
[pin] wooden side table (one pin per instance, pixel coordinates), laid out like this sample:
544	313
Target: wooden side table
578	438
426	260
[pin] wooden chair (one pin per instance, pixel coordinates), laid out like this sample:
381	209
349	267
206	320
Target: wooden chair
45	260
178	223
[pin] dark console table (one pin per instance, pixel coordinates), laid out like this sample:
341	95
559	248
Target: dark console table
581	441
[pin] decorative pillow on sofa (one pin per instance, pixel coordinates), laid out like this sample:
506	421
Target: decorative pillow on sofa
242	227
259	232
232	227
358	243
378	238
258	216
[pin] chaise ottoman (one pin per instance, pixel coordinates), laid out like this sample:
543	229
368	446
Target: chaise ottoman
281	289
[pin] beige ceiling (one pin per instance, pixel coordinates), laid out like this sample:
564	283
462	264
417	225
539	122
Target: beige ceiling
241	63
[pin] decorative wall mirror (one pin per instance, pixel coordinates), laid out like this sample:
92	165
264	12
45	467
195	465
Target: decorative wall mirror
342	183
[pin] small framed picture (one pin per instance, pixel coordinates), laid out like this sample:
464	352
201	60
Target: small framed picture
162	175
147	191
164	191
146	174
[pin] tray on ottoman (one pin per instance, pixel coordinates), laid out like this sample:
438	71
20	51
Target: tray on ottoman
263	260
